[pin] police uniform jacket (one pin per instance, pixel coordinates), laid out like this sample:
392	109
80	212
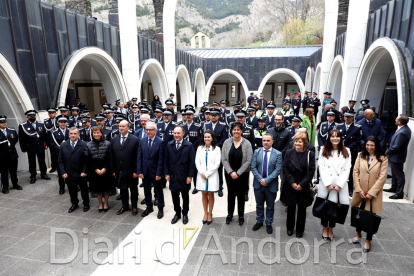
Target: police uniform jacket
270	121
107	133
75	122
201	118
252	121
32	140
305	102
50	127
293	130
296	103
323	132
220	131
134	121
352	137
179	164
84	136
258	135
166	132
286	101
281	138
57	138
315	103
8	145
108	123
73	161
230	119
193	134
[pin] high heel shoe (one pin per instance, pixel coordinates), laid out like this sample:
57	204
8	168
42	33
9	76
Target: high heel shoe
100	210
105	209
210	221
204	221
325	238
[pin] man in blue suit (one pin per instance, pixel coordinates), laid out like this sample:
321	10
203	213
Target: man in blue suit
397	154
141	133
150	168
266	165
371	126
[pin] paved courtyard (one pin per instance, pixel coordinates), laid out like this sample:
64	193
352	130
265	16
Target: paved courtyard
28	217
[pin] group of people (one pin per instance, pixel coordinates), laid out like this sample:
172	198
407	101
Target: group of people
141	141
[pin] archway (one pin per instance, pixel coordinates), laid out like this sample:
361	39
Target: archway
199	86
99	63
228	78
317	79
184	85
335	78
151	72
14	101
309	78
382	61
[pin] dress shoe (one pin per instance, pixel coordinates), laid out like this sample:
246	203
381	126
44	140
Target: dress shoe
241	221
355	241
185	219
73	208
269	229
194	191
32	180
289	233
210	221
147	212
246	198
86	207
52	170
390	190
5	191
118	197
61	191
141	185
366	250
134	211
396	196
175	219
325	238
106	209
229	219
299	235
156	202
45	177
160	214
122	210
220	193
17	187
143	202
100	210
257	226
78	189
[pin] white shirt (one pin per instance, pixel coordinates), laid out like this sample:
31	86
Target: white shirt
73	142
63	131
214	125
268	158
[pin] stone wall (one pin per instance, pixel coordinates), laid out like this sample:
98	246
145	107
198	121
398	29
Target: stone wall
80	6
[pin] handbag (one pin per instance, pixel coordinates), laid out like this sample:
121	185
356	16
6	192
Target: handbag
364	220
333	211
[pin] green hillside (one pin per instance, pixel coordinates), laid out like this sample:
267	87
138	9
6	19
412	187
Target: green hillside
219	9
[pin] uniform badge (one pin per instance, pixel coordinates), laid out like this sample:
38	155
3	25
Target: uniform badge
28	128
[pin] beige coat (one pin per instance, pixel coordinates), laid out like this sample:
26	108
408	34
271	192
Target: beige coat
370	181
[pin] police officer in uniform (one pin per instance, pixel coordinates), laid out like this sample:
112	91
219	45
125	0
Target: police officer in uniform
221	134
57	138
351	106
224	111
158	114
325	128
251	120
352	136
306	100
78	103
85	113
315	103
32	135
8	156
169	104
287	99
100	121
134	117
232	118
260	131
110	121
270	117
75	119
295	125
86	130
288	114
166	128
296	104
327	99
51	125
64	110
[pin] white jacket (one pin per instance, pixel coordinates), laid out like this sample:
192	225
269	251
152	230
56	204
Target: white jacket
334	171
210	170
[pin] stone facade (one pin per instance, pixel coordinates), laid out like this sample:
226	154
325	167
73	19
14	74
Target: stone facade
80	6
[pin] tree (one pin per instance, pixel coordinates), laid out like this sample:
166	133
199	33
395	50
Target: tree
158	9
299	32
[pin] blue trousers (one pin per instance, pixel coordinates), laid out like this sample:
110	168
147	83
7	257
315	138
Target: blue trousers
262	195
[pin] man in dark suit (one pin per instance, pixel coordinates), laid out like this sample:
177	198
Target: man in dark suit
32	137
397	153
124	152
352	135
57	138
179	170
150	168
371	126
8	156
73	168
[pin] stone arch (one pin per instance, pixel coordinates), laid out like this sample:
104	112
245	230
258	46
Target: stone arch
317	79
156	73
283	71
335	78
224	72
184	82
309	79
382	57
106	69
199	86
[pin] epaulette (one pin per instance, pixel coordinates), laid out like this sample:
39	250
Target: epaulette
324	123
11	128
196	124
249	127
107	127
115	130
47	119
222	123
174	123
340	124
357	125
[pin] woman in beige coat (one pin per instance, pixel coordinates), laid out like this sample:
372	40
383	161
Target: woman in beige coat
370	173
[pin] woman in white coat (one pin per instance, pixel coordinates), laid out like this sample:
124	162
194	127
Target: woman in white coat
207	161
334	166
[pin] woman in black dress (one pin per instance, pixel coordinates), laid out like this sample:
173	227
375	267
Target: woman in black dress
298	177
156	101
101	181
236	158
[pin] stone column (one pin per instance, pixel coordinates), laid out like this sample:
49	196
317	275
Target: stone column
80	6
169	45
355	46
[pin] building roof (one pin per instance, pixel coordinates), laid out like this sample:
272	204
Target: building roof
253	52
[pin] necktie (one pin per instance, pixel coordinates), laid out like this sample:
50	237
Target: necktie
214	126
264	174
149	146
178	145
34	126
5	133
347	127
87	132
64	133
123	140
73	145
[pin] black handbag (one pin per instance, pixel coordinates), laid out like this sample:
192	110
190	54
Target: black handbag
333	211
364	220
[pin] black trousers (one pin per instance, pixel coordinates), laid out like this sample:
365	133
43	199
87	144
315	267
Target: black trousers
32	163
327	223
398	177
54	156
220	171
300	219
125	197
157	190
369	236
354	155
195	177
61	180
296	111
176	202
236	189
73	192
5	169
